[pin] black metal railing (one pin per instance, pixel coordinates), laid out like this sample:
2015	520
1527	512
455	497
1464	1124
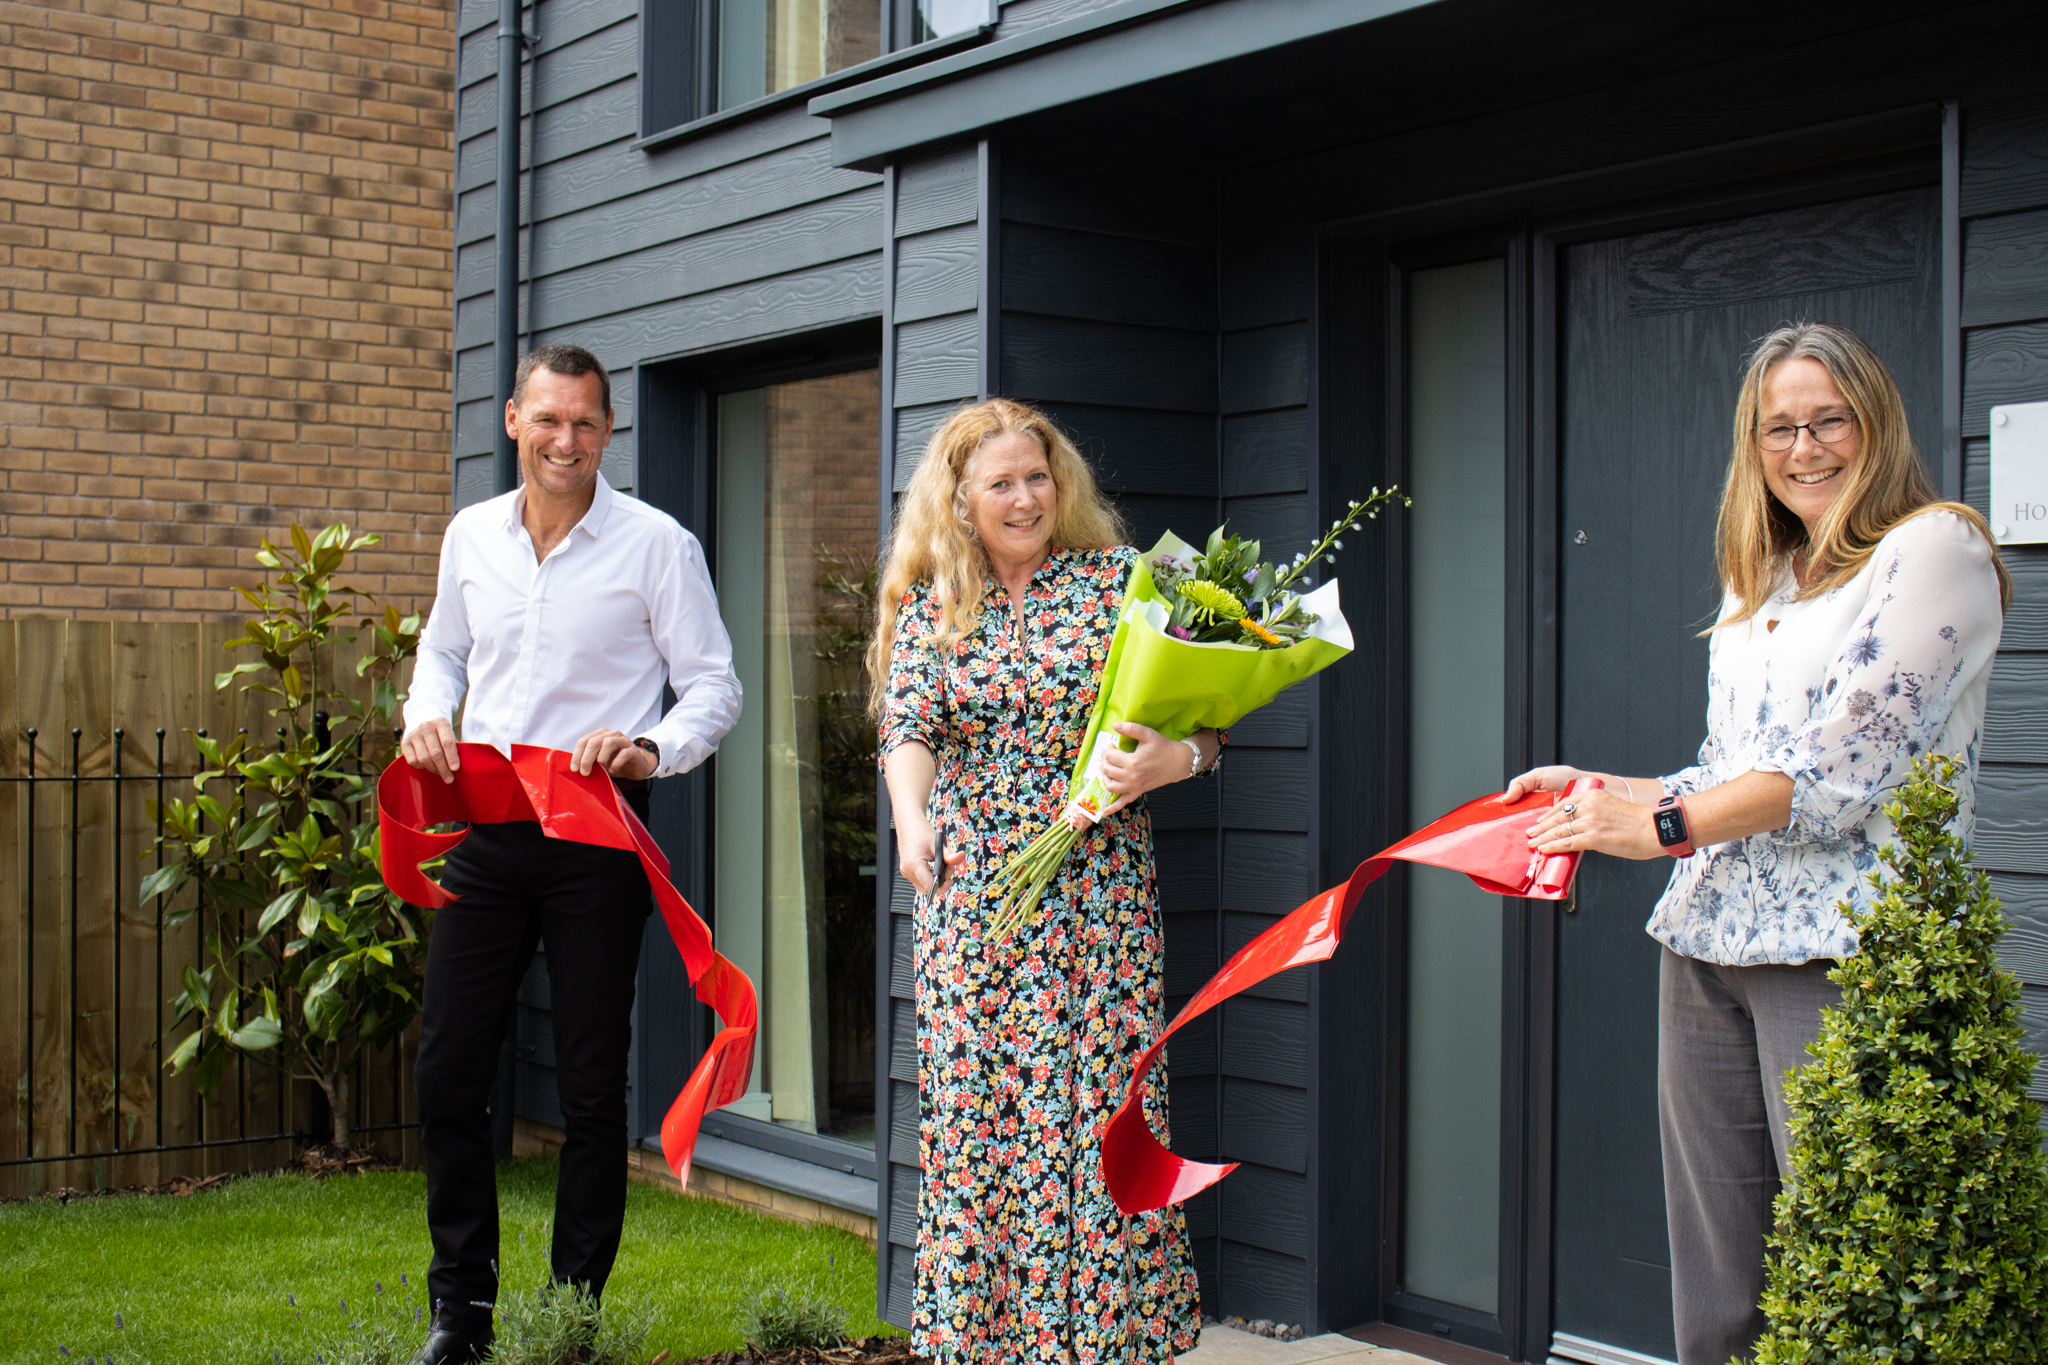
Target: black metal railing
59	795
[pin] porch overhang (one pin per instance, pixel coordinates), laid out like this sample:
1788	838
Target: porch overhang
1100	53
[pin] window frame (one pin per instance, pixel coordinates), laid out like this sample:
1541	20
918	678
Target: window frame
682	36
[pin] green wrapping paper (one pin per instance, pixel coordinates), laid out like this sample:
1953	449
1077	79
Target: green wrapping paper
1177	686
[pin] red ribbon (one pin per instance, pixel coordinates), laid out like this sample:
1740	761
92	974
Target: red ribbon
1484	839
539	784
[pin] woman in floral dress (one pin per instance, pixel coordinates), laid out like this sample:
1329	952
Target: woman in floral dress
1007	577
1857	629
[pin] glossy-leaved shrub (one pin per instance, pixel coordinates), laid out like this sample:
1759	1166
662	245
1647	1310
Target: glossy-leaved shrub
1914	1225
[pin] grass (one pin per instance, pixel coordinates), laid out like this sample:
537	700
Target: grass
205	1280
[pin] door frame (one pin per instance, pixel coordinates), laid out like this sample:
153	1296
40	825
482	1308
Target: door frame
1359	329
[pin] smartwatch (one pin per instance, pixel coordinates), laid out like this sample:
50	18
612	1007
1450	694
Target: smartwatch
651	747
1672	830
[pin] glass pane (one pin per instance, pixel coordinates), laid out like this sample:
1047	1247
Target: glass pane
795	781
1457	472
769	45
937	18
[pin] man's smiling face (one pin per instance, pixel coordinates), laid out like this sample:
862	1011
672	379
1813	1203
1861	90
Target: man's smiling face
562	431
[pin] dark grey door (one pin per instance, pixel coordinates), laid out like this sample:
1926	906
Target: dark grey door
1656	331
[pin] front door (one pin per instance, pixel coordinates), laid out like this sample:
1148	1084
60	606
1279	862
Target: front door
1657	328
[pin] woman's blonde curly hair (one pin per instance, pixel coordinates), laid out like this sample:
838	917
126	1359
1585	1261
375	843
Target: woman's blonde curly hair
1758	535
934	542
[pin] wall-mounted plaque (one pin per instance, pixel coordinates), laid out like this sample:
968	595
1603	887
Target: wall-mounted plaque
2019	473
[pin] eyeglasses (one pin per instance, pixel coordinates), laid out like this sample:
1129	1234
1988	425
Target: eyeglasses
1827	430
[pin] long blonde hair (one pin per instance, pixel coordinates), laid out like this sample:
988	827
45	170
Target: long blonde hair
933	540
1758	535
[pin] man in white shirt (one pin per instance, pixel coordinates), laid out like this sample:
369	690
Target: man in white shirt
562	609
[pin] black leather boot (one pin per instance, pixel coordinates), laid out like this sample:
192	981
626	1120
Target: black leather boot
452	1341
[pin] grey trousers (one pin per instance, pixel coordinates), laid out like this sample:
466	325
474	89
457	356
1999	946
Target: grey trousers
1726	1036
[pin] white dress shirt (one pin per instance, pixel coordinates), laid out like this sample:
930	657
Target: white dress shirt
1841	697
550	651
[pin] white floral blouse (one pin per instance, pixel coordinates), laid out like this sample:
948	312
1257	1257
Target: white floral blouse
1841	695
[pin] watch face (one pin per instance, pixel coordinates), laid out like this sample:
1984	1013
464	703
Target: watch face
1670	826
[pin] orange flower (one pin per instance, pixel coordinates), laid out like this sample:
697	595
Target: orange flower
1254	628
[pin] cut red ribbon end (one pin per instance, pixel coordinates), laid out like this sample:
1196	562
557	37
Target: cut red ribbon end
542	785
1487	840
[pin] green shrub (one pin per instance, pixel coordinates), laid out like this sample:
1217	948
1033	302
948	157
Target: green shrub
773	1320
561	1324
1915	1223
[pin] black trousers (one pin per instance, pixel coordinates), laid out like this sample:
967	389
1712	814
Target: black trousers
588	905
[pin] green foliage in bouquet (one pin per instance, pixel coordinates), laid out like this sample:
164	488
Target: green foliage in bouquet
1915	1225
1227	593
309	959
1224	594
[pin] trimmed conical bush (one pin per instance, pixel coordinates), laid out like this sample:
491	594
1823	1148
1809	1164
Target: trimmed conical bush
1915	1223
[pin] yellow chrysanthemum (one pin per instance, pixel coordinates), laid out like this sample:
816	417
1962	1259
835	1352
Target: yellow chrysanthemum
1212	599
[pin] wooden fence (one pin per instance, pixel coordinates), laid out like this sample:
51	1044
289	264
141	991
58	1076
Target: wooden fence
95	722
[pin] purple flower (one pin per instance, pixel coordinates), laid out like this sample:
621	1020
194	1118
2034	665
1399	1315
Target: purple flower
380	1286
120	1324
292	1299
1180	632
63	1349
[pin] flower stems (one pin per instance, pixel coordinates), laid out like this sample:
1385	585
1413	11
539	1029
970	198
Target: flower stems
1027	875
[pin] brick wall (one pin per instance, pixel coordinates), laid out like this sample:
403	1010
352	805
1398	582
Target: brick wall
225	245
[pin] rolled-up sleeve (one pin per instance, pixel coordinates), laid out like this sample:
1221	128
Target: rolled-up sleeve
1931	629
440	672
693	642
914	705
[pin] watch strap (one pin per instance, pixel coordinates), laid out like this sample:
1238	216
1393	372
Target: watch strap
1674	830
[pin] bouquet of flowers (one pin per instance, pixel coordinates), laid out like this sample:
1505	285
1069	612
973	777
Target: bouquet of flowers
1205	638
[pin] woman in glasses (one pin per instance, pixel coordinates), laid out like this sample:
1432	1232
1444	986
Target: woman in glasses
1857	629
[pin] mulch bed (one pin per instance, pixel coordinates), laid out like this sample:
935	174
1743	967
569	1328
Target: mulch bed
871	1351
319	1162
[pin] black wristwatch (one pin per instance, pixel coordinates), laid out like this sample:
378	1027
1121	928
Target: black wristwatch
651	747
1674	832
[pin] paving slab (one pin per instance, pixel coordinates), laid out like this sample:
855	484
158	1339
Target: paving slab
1227	1346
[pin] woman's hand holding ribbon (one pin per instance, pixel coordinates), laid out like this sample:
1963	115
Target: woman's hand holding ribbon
1602	821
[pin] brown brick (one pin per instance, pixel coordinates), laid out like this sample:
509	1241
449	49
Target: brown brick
225	263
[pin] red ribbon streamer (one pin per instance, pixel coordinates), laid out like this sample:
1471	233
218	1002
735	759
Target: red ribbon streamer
539	784
1484	839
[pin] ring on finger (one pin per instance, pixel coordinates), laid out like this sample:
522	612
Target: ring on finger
1570	808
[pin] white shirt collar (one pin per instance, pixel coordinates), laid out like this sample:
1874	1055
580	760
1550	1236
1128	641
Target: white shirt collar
593	520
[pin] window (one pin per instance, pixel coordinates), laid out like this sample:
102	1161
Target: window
794	868
1457	463
770	45
943	18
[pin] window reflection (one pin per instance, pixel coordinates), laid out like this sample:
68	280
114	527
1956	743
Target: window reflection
938	18
770	45
795	782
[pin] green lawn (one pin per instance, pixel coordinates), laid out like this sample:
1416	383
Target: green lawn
259	1270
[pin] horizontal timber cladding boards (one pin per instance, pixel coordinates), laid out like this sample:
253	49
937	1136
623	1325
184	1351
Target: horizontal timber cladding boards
1191	1112
1118	365
1265	1124
1187	873
914	427
2005	157
2002	365
1266	368
553	75
938	189
1241	927
1022	16
937	272
603	218
1194	1050
1136	450
1265	789
1262	1207
1183	807
1265	1040
847	225
2005	269
1265	1284
1263	871
1108	279
2016	712
938	360
2034	1021
845	291
1141	198
1199	1211
1268	276
1148	517
608	115
1266	452
2012	818
2024	949
564	23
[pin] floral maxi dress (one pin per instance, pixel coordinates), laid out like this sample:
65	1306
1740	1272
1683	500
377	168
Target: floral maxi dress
1025	1051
